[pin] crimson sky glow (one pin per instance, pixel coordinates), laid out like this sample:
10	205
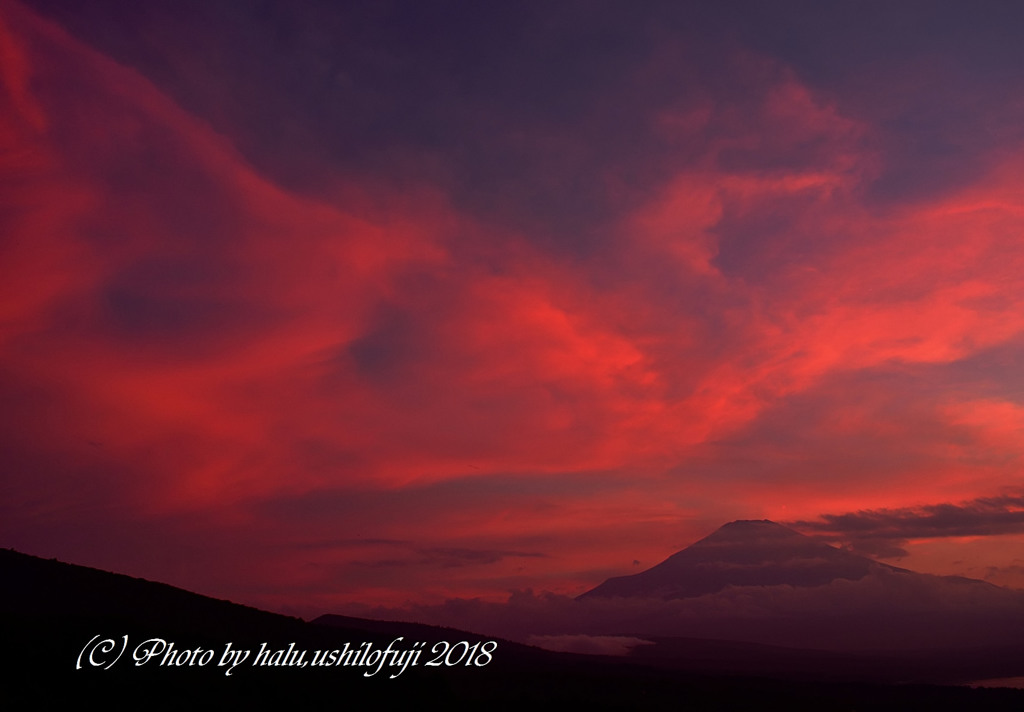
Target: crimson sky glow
330	303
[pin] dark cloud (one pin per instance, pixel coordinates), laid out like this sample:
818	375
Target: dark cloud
388	345
353	543
446	558
984	516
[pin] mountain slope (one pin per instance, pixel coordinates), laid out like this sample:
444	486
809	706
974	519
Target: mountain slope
758	581
743	553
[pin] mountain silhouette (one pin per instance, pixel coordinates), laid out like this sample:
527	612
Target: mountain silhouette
743	553
758	581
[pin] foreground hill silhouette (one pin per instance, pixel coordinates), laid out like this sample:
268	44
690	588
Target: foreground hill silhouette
49	610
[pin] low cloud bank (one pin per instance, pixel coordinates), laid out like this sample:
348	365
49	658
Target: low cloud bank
882	610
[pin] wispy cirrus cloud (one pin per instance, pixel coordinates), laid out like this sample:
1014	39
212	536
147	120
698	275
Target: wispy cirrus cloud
475	290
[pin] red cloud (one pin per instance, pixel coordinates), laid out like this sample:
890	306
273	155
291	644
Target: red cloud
182	337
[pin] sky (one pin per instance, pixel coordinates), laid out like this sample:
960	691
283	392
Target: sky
315	303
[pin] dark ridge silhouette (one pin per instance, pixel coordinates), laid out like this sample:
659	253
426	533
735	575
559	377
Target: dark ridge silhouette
743	553
49	610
